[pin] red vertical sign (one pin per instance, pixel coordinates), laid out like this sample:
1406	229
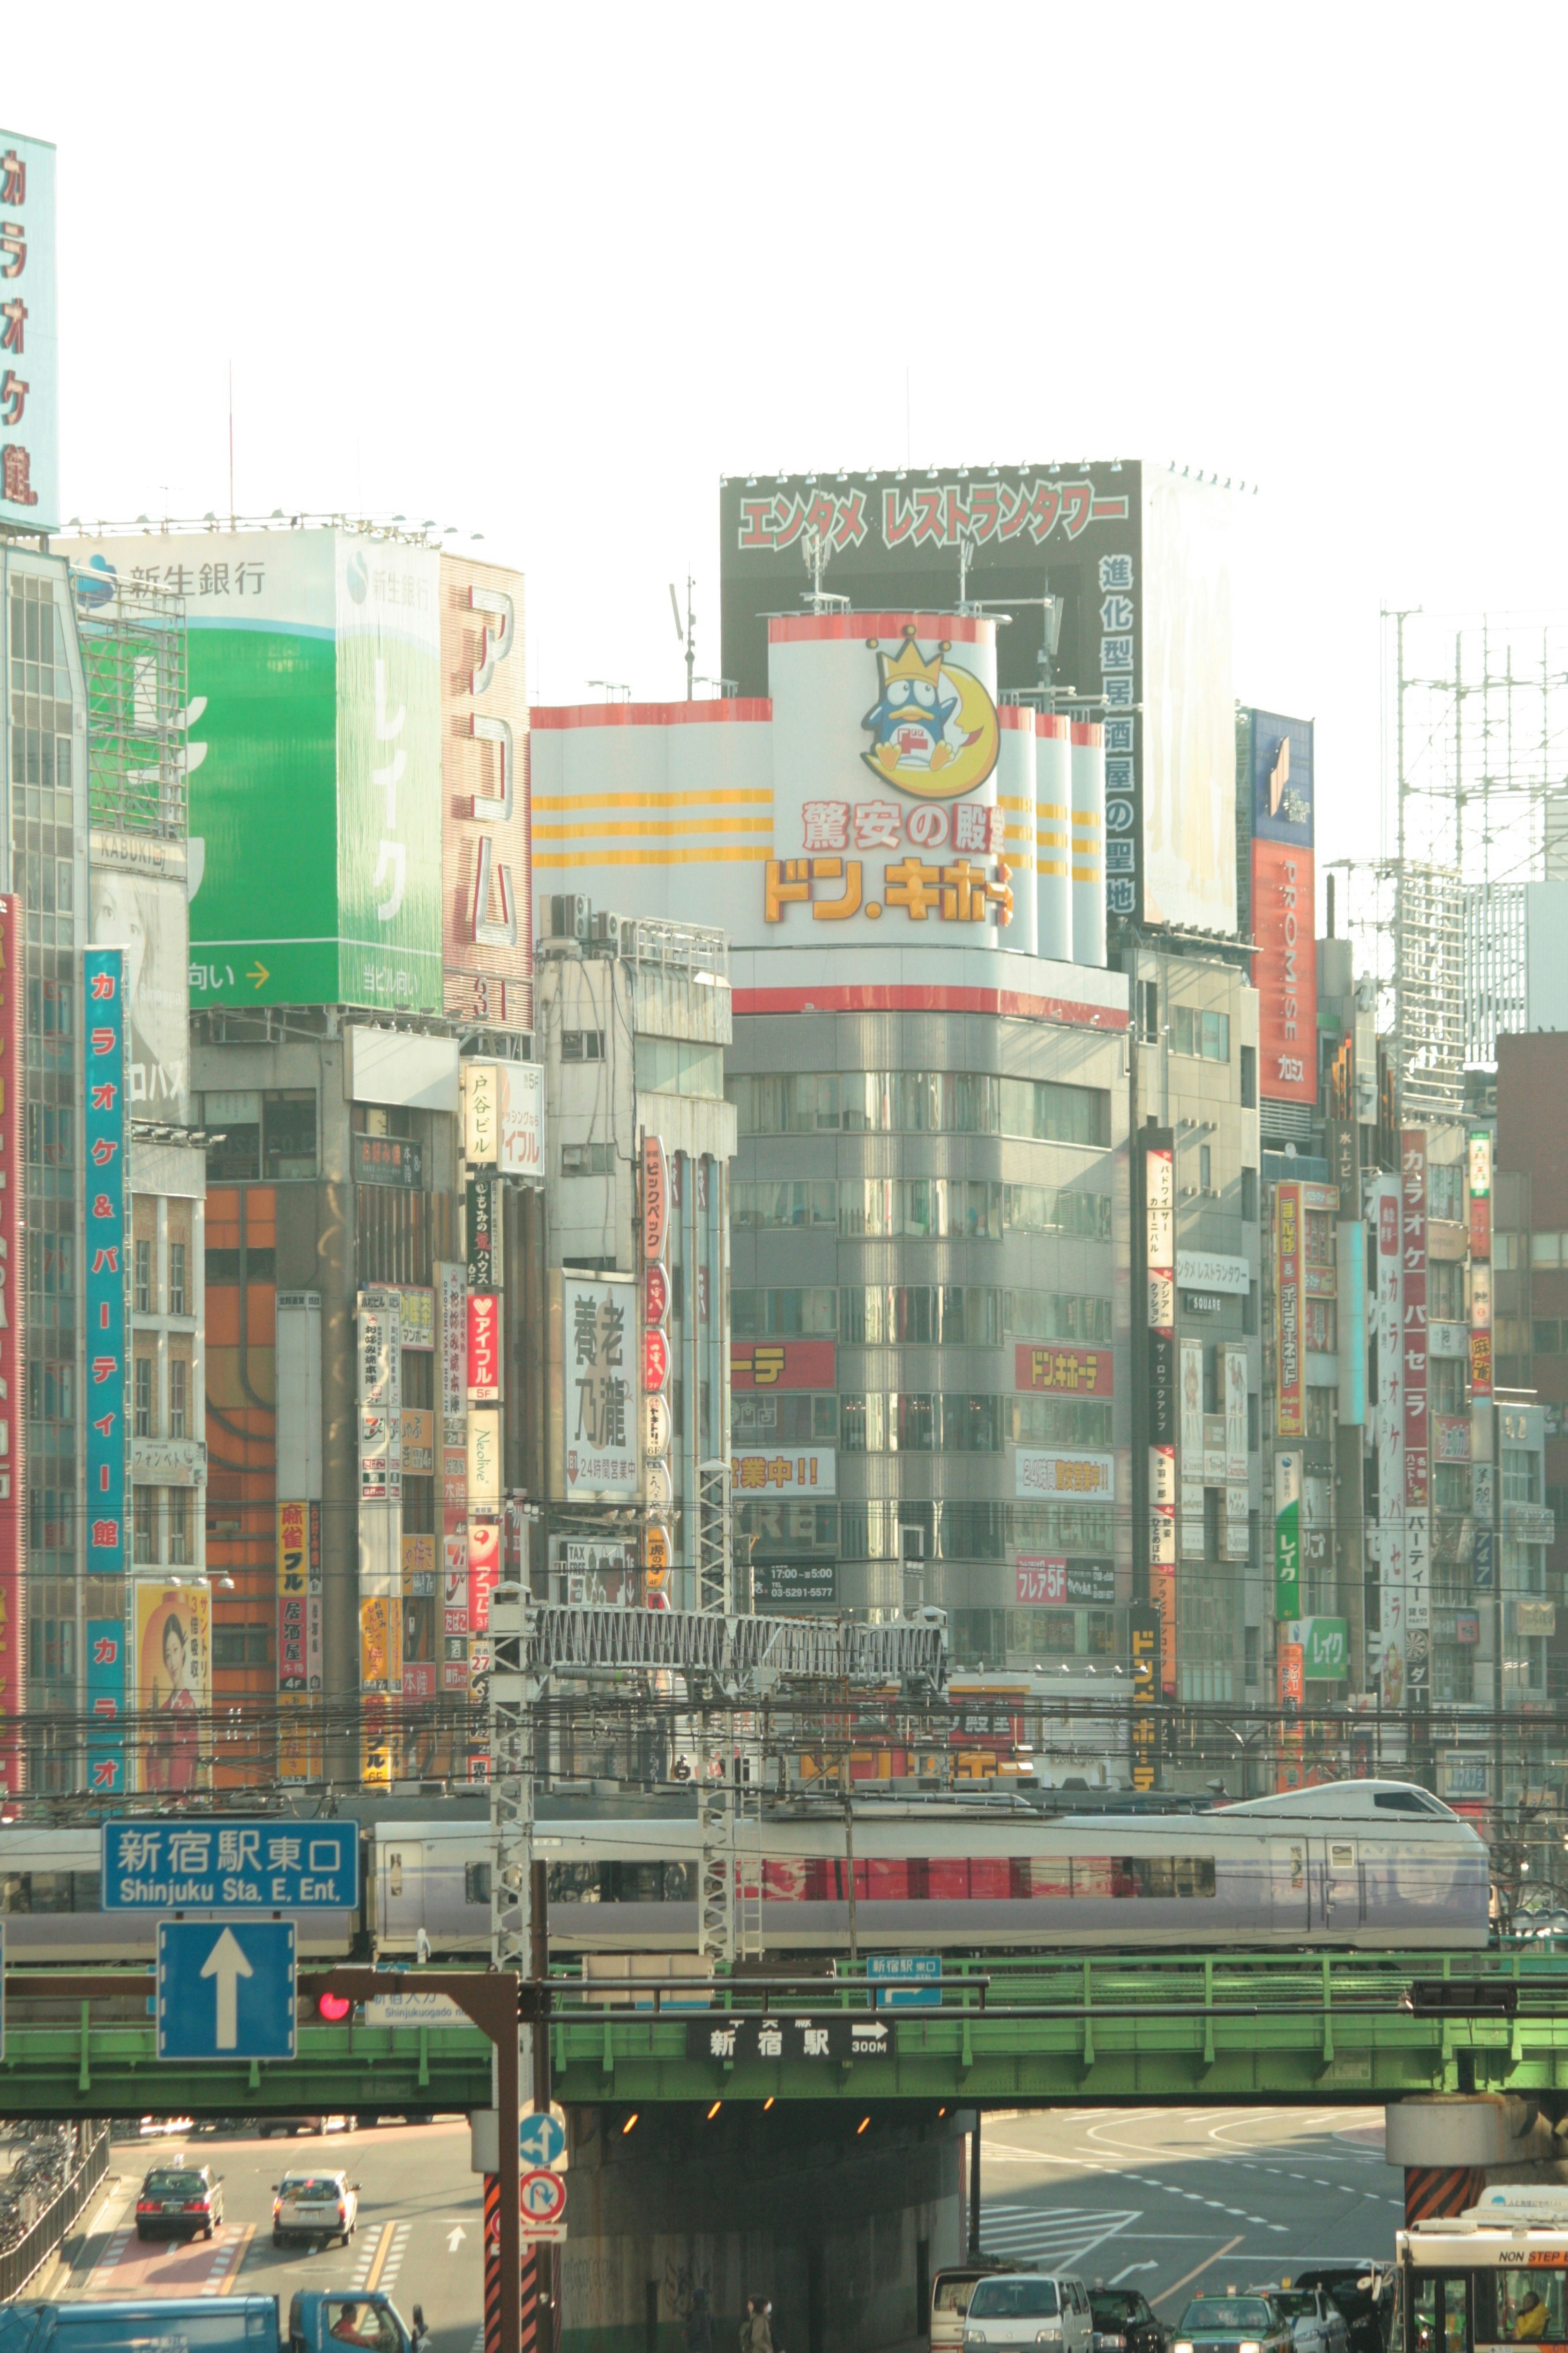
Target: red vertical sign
1413	1260
13	1293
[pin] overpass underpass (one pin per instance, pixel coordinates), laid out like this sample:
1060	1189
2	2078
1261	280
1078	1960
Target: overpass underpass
1355	2028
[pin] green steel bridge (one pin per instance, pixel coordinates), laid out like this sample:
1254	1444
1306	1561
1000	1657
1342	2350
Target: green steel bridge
1104	2027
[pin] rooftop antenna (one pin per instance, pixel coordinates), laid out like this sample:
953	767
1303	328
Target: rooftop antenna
685	631
817	553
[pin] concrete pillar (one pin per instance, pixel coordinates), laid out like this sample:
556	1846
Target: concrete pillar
835	2224
1448	2147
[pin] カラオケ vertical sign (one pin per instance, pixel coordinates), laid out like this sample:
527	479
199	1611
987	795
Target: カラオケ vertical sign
103	992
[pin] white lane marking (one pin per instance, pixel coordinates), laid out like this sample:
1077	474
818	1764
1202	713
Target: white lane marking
1131	2269
395	2259
1047	2233
478	2344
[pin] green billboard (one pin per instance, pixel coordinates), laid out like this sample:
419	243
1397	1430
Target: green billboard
312	761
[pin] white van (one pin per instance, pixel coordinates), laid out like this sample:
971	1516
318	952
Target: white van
949	2294
1029	2308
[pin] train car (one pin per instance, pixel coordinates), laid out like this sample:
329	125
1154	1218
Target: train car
1365	1864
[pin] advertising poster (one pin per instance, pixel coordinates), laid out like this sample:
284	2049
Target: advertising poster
1417	1419
1286	1537
765	1365
106	1705
312	760
481	1113
139	905
1143	1634
799	1472
895	547
484	1348
1280	789
13	1298
389	773
103	993
171	1631
522	1120
1076	1476
487	885
1383	1206
599	1391
1289	1376
29	411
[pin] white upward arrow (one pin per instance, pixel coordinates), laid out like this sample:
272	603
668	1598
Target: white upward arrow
454	2238
227	1962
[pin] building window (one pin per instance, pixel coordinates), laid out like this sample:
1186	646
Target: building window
1249	1192
143	1293
1249	1637
1204	1035
179	1374
143	1525
1205	1168
582	1045
179	1525
1149	1012
587	1159
1249	1080
144	1424
240	1646
178	1295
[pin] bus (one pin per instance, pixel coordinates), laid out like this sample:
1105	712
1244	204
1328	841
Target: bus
1495	2275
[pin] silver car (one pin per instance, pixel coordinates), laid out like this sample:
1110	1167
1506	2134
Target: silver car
322	2206
1317	2324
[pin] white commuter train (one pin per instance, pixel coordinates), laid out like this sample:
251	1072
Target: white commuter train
1364	1864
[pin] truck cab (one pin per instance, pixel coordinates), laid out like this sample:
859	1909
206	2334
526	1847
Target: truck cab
322	2322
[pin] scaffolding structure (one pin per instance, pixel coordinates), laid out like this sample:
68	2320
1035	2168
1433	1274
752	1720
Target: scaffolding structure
1473	805
133	660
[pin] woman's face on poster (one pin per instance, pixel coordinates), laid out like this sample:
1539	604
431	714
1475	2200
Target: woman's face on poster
174	1653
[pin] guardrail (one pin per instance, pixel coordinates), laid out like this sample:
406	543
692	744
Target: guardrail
23	2261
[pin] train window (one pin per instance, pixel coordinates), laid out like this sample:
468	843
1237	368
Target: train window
622	1882
44	1891
1407	1802
395	1874
477	1883
957	1878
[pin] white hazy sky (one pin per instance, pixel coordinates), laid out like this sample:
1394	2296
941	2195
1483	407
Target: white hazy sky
546	274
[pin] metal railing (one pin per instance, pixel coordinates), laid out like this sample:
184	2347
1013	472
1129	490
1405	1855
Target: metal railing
26	2257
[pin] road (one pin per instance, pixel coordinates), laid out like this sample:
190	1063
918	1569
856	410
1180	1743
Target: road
1179	2200
419	2235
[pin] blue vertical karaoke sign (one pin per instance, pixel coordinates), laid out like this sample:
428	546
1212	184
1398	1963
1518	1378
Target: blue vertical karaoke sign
103	990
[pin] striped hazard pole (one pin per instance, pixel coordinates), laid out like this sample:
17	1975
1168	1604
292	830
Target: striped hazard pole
538	2280
1431	2191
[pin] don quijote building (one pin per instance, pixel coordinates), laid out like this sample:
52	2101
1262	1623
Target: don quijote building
927	1071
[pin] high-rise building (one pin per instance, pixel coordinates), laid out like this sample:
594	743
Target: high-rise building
928	1299
353	734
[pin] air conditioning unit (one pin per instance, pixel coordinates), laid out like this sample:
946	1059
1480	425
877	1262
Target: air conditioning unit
570	916
606	930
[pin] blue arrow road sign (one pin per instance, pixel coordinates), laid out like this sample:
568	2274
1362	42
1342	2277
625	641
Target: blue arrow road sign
226	1989
230	1866
540	2141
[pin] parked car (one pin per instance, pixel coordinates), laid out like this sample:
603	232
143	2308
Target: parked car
1123	2322
179	2201
292	2125
1317	2324
949	2294
322	2206
1011	2308
1226	2323
1363	2293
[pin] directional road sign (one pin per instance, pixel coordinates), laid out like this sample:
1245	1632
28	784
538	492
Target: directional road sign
541	2139
230	1866
905	1980
544	2201
226	1989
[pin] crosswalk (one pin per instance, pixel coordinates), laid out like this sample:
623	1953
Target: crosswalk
381	2257
1049	2234
118	2242
228	2253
